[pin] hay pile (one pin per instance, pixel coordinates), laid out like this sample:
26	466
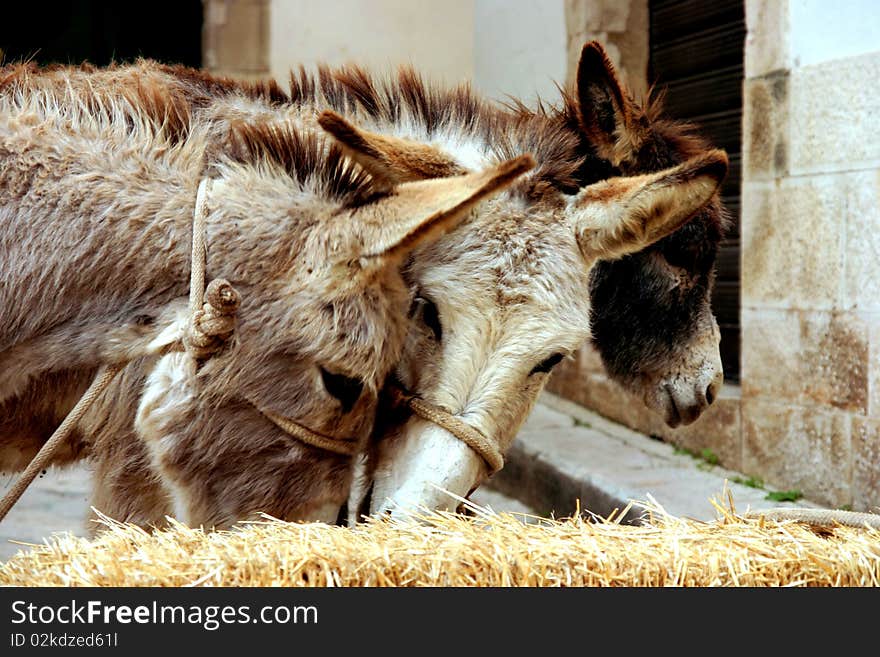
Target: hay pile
451	550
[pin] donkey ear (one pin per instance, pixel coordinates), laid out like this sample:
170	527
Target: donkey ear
619	216
419	213
605	107
389	160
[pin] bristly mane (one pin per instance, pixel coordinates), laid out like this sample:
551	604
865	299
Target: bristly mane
432	110
169	95
159	102
308	158
408	101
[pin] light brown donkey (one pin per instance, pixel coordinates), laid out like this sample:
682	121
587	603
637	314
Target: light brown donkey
97	193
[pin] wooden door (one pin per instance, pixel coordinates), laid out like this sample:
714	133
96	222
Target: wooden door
697	49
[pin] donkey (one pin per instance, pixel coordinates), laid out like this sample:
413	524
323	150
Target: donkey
649	313
578	226
486	247
651	316
523	283
97	194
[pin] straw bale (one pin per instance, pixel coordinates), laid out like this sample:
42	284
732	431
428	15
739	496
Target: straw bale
485	549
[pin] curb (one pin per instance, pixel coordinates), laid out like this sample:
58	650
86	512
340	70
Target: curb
567	458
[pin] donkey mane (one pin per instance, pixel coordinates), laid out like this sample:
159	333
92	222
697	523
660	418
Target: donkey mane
139	99
408	100
169	95
311	160
145	96
681	140
433	110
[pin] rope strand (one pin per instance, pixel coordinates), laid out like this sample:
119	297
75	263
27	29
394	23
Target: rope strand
820	517
476	440
44	457
343	446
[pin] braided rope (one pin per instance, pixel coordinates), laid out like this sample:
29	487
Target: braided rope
344	446
820	517
47	451
199	256
476	440
213	322
199	343
211	327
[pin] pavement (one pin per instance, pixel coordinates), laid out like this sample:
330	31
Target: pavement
56	502
565	459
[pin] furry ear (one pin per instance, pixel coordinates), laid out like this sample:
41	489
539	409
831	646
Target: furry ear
389	160
620	216
606	109
418	213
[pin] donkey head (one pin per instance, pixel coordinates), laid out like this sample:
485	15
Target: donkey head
316	249
651	317
330	298
499	303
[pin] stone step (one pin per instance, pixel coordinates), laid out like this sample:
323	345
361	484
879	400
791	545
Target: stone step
567	458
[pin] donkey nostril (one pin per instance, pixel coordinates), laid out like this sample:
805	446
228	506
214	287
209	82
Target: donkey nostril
346	389
710	393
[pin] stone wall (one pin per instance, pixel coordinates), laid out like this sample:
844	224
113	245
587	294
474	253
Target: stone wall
235	38
621	26
503	47
438	38
519	48
811	248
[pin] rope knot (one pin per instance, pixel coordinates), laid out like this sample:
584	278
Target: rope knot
211	328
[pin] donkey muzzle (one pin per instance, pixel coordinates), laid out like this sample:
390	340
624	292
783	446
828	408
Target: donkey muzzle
682	400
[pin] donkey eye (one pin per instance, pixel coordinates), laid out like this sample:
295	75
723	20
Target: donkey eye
547	364
345	388
431	317
686	258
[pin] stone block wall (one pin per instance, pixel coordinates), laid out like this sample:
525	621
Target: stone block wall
515	47
811	250
621	26
235	38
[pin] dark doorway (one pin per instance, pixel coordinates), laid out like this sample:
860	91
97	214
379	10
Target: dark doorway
697	51
102	32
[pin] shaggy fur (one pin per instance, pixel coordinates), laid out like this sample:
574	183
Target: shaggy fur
96	205
508	292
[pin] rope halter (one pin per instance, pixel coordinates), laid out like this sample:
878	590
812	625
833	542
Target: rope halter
207	321
212	322
478	441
